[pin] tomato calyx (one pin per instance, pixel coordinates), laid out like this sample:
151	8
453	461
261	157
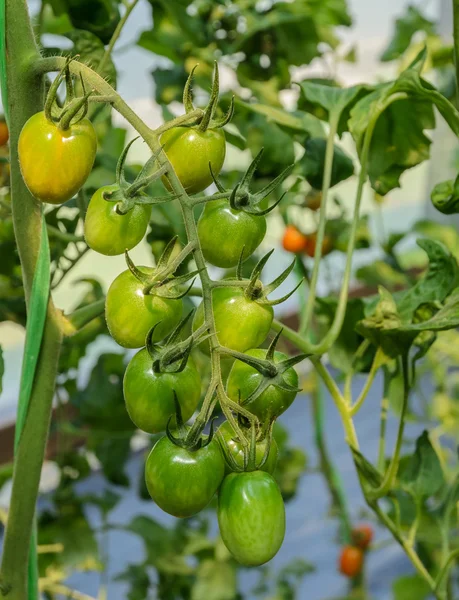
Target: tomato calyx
189	438
172	355
241	198
250	448
128	195
271	370
207	120
75	108
256	290
162	282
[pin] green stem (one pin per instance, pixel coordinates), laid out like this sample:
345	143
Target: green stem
25	91
456	42
391	473
84	315
328	166
115	36
368	383
383	422
328	469
62	235
445	568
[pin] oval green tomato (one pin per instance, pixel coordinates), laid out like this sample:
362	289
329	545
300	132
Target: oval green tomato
251	516
236	449
190	151
130	314
55	163
244	379
224	233
110	233
241	323
149	396
183	482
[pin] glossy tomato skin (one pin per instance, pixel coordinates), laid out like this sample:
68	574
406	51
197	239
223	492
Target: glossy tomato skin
110	233
243	380
4	133
130	314
56	163
190	151
149	396
183	482
224	232
236	450
241	323
351	561
293	240
251	516
362	536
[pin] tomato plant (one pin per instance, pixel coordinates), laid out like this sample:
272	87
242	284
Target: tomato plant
251	516
65	148
182	482
4	133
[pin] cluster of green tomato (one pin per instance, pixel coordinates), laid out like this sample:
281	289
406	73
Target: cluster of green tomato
55	161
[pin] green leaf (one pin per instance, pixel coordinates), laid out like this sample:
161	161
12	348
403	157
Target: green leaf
91	50
441	278
215	580
371	475
333	100
106	502
410	587
277	144
113	454
445	197
313	163
98	17
297	121
447	234
405	27
422	476
380	273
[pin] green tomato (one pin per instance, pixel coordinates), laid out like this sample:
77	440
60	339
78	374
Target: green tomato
236	449
149	396
130	314
251	516
183	482
244	379
224	232
241	323
190	151
110	233
54	162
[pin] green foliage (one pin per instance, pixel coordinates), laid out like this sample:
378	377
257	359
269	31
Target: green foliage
422	475
405	28
314	160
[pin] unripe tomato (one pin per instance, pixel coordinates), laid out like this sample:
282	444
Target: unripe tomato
362	536
311	243
313	199
251	516
224	232
4	133
351	561
130	313
189	151
236	450
240	323
149	396
55	163
183	482
293	240
244	379
110	233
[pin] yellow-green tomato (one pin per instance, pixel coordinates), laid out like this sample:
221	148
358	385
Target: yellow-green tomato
130	313
251	516
183	482
236	449
149	396
240	322
108	232
190	151
54	162
243	380
224	233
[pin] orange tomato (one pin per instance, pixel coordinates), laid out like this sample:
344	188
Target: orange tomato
362	536
293	240
4	133
351	561
311	242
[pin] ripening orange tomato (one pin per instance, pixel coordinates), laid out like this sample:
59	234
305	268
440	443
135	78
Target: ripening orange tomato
362	536
311	243
351	561
4	133
293	240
